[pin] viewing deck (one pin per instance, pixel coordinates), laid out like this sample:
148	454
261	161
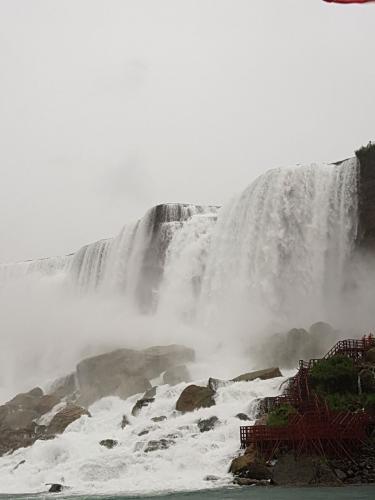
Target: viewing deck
314	427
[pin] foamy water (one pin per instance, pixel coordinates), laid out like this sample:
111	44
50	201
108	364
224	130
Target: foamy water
76	459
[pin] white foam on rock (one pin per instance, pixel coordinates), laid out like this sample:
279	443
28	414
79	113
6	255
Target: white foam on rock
76	459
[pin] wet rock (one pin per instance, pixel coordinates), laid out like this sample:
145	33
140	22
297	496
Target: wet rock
141	403
262	374
340	474
126	372
193	397
370	355
55	487
162	444
176	375
109	443
159	419
65	417
162	358
124	422
46	403
242	463
215	383
244	481
64	387
242	416
143	433
292	471
151	393
211	477
207	424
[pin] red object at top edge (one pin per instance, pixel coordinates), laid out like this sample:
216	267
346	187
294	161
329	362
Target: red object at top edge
349	1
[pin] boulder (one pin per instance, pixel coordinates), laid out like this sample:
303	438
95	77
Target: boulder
55	487
126	372
159	419
65	417
18	416
162	444
176	375
11	439
108	443
262	374
242	463
207	424
144	432
370	355
243	416
141	403
162	358
290	470
193	397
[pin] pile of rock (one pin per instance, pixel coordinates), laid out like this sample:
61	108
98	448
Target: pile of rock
19	418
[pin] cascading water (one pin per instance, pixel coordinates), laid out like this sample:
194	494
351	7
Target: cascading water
280	247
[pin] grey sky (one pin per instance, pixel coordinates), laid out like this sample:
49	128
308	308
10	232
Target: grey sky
109	107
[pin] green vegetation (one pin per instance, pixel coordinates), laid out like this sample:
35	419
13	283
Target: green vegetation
334	375
351	402
336	380
279	417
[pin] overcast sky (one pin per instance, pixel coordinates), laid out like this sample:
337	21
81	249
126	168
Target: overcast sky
108	107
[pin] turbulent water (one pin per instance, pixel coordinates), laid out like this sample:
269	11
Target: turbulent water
278	255
76	459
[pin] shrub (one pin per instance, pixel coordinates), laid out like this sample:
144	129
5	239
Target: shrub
334	375
279	417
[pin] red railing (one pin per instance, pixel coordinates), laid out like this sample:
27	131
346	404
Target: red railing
314	425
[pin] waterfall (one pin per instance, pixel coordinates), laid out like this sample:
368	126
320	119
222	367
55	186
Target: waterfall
280	247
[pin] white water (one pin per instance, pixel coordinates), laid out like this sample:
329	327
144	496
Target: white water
77	460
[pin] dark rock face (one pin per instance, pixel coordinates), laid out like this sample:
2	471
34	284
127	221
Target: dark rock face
108	443
193	397
17	419
141	403
370	355
64	418
159	229
162	444
55	488
159	419
262	374
366	197
207	424
176	375
302	471
242	416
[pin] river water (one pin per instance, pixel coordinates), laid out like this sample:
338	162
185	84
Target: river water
235	493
